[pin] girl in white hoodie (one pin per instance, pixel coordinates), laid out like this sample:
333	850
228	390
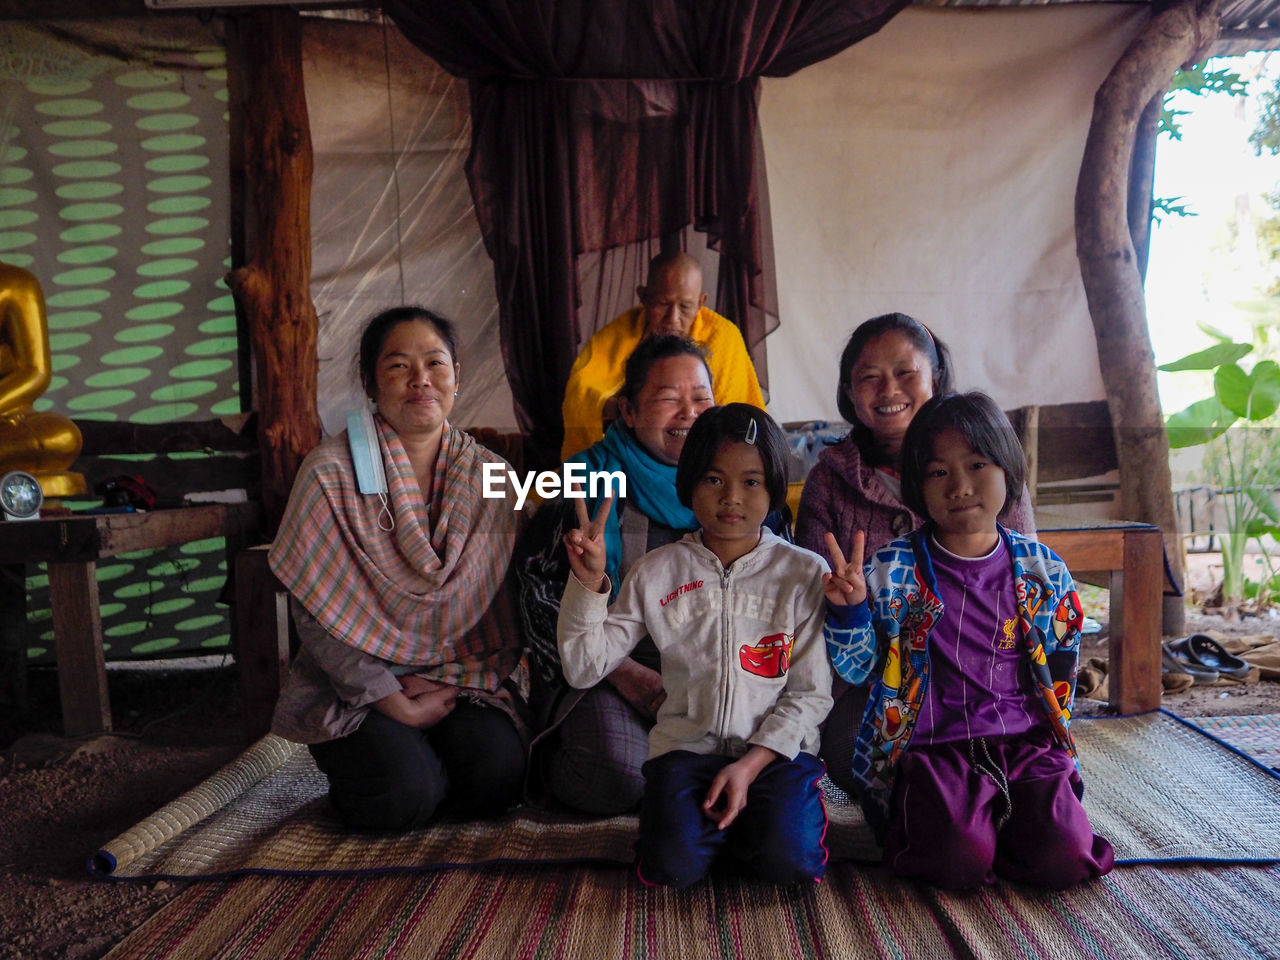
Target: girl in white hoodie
736	614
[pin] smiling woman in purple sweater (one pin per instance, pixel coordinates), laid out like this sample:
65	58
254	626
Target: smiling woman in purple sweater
891	365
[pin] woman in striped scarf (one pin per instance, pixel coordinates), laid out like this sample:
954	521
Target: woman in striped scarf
402	686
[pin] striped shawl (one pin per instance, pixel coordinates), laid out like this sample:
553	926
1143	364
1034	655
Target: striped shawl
429	594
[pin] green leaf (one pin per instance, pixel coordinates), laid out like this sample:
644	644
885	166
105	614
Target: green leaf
1209	358
1198	423
1232	387
1265	394
1261	497
1262	312
1208	328
1162	207
1253	395
1260	528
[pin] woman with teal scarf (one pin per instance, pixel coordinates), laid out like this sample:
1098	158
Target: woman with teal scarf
594	741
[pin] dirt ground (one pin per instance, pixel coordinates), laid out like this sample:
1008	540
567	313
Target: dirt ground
175	726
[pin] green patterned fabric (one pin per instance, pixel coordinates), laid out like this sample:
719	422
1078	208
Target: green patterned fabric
114	193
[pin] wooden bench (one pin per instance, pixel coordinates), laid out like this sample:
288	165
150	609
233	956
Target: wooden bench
72	546
1130	558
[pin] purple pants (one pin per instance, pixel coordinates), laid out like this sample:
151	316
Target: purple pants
952	824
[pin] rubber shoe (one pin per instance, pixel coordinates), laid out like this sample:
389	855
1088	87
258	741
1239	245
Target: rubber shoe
1207	652
1171	662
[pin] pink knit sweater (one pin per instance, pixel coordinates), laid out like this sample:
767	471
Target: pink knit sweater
842	495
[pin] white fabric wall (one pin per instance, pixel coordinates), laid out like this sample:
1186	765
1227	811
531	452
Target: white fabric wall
391	215
931	169
938	183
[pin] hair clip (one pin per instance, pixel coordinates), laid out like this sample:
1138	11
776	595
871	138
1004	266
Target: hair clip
751	432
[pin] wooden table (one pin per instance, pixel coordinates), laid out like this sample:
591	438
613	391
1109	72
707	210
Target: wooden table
1132	555
72	547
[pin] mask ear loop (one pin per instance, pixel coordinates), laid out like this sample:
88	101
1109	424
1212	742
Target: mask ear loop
386	507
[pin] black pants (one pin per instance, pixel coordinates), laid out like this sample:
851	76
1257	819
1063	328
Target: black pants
387	776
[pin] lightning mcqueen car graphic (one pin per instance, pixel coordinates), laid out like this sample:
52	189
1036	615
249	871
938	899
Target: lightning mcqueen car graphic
769	657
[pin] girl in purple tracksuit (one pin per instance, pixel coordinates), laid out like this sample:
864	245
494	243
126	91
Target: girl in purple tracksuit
968	634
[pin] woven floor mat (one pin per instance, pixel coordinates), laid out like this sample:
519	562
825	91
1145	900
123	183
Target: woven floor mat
1257	735
1156	787
1174	912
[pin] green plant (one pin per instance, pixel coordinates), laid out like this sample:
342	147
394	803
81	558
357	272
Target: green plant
1243	452
1198	81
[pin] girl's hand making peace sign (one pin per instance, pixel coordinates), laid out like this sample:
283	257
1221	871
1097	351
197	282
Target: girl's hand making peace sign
845	585
586	544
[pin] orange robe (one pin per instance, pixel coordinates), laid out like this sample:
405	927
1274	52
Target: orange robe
597	373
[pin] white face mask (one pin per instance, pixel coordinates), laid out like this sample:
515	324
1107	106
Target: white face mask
366	454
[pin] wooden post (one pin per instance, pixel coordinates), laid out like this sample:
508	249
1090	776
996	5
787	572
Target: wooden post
272	289
262	640
77	640
1142	175
14	637
1177	33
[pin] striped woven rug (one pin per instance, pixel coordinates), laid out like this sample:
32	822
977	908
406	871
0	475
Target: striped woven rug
1159	788
594	913
1156	787
1257	735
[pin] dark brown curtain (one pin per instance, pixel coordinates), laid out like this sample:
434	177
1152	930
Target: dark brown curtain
598	123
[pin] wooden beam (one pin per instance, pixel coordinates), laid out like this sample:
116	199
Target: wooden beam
272	289
126	532
1176	34
1250	33
262	639
71	9
14	638
108	438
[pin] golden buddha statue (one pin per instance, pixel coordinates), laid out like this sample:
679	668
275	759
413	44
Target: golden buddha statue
44	444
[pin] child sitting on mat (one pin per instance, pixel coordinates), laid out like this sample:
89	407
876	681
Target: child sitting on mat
969	633
737	616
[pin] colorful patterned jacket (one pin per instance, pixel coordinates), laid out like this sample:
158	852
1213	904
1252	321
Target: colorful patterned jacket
886	642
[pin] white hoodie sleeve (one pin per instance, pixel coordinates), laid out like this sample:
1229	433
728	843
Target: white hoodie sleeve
593	638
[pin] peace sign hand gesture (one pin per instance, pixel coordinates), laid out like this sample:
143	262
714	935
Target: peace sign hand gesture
845	585
585	544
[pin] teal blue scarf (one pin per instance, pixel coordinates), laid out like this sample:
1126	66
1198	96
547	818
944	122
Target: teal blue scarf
651	489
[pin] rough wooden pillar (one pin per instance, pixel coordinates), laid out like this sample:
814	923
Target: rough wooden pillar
14	639
272	289
1142	175
1177	33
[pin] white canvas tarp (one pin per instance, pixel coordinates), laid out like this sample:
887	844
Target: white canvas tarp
931	169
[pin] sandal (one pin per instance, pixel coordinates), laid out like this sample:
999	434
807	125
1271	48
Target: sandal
1173	662
1207	652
